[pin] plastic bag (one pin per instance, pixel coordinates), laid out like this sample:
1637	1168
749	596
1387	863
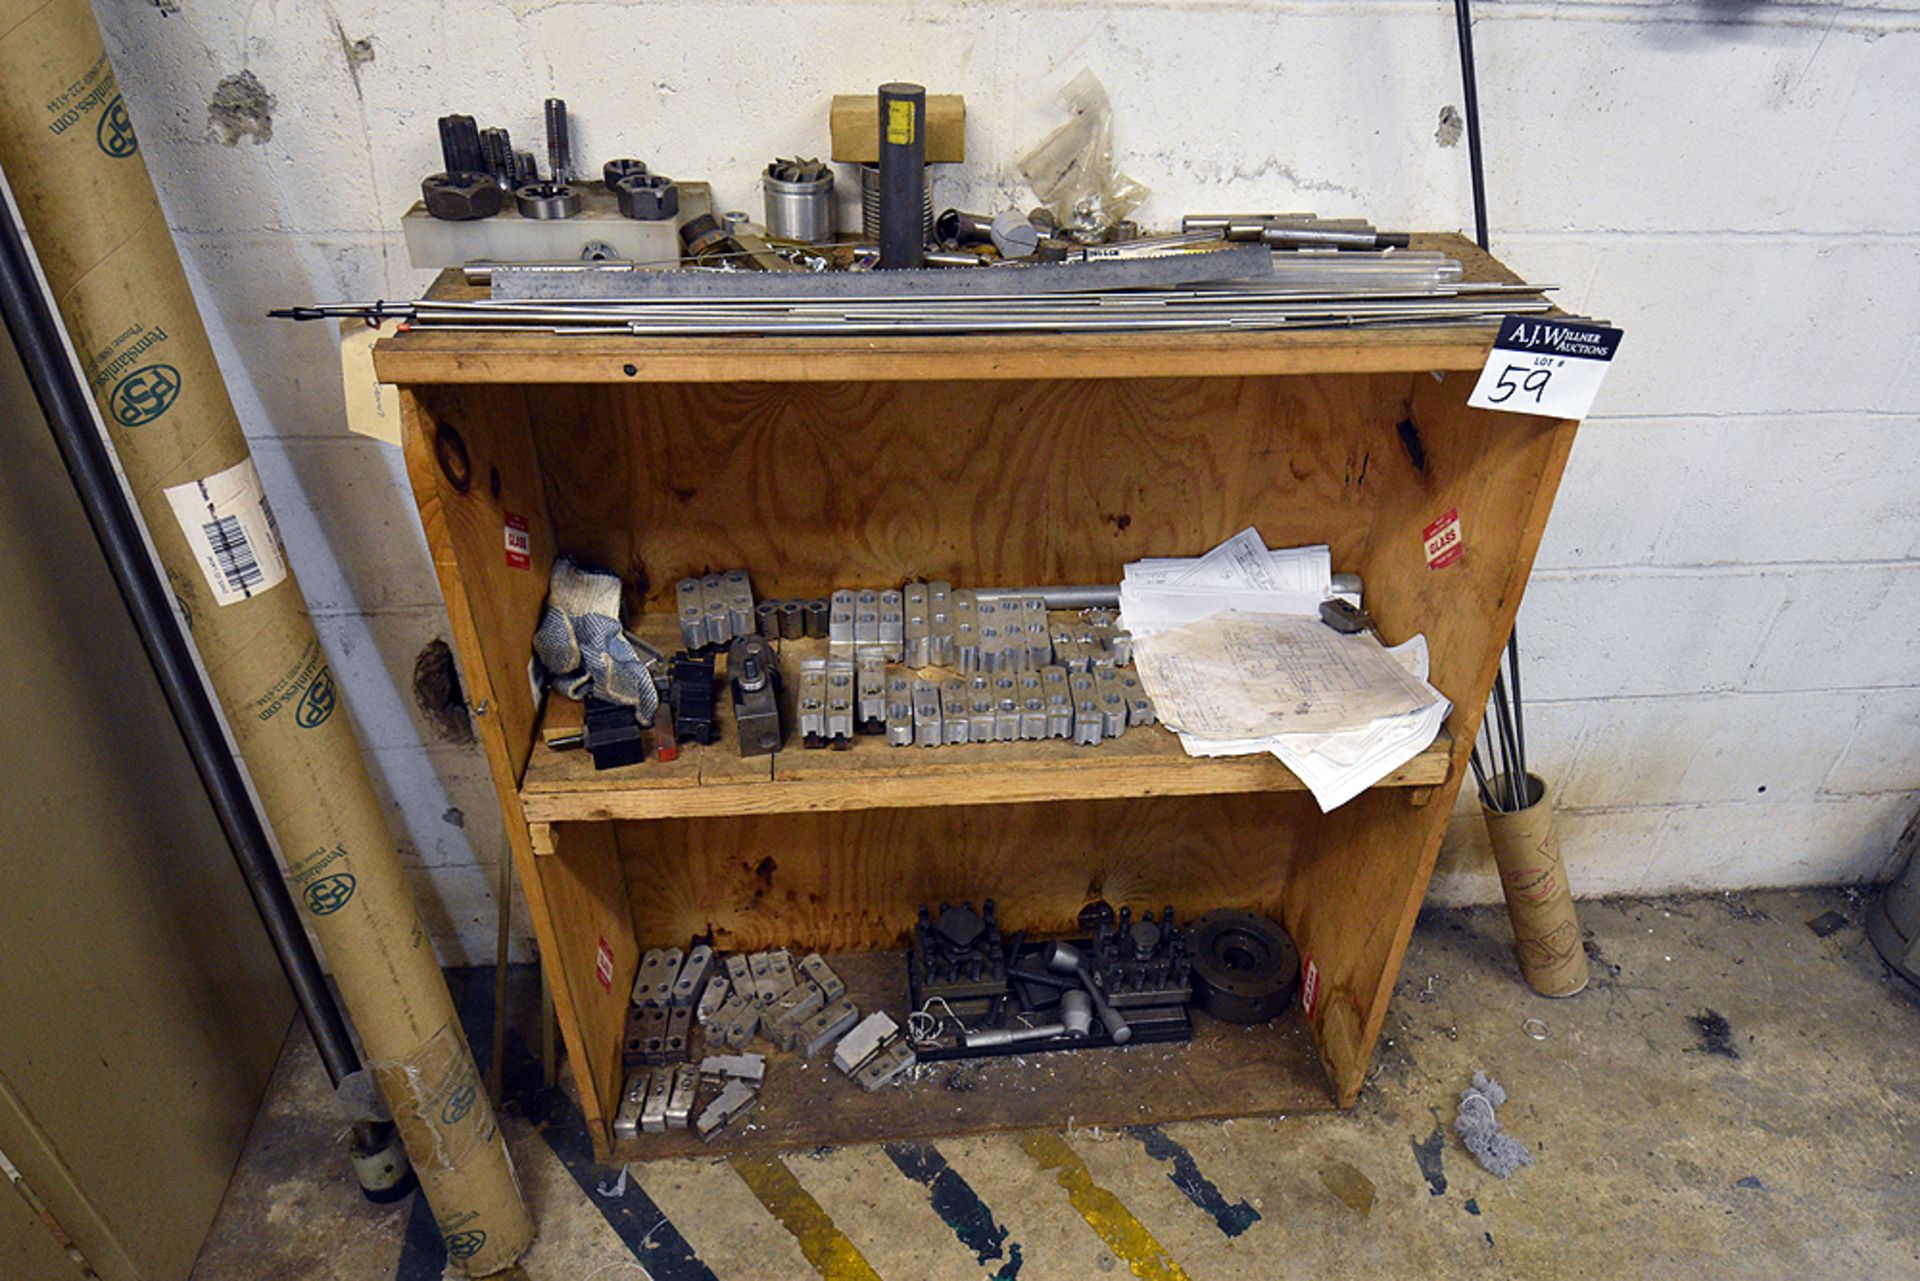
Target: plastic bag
1072	169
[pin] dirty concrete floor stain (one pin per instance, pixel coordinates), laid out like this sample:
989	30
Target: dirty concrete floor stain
1795	1159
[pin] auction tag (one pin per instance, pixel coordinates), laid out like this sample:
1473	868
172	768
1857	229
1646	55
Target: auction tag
1310	988
603	964
1548	367
519	543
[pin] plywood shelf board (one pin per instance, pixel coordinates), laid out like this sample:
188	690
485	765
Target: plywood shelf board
715	780
1226	1071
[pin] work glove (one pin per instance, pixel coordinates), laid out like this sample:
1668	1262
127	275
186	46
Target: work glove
583	646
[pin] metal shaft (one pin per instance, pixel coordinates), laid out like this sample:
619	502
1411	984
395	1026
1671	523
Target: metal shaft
559	145
903	174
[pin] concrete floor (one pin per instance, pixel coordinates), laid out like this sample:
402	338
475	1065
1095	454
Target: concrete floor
1785	1146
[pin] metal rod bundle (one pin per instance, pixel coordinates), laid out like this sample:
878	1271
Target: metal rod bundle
1504	728
1248	306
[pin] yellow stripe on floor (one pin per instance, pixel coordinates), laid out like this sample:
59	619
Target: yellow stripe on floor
1104	1212
826	1247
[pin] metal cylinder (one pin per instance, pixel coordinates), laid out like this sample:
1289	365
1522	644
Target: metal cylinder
799	195
870	204
958	227
559	145
903	174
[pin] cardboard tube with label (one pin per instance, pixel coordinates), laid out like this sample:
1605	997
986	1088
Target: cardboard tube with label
71	155
1546	930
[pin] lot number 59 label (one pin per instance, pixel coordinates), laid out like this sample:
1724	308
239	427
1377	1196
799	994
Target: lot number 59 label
1551	368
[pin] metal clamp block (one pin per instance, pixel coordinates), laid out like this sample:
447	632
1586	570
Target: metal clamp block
1122	646
826	1026
733	1103
653	982
653	1114
1139	706
916	628
735	1023
737	590
717	1069
966	632
840	625
886	1065
691	606
782	1022
900	711
870	689
866	618
713	603
859	1044
926	714
840	697
940	624
633	1100
693	974
1006	709
1113	704
980	709
1033	706
814	967
811	702
893	621
680	1096
955	726
712	998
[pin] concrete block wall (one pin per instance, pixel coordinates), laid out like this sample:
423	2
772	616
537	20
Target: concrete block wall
1723	634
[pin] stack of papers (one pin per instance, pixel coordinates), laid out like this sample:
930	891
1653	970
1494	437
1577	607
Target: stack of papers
1232	651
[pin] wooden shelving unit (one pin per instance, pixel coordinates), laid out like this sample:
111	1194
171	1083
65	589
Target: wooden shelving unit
986	461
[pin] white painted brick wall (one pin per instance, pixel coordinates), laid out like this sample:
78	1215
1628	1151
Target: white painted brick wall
1721	637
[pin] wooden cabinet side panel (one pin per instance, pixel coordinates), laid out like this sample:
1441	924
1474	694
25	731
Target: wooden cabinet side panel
584	888
471	462
464	555
1358	883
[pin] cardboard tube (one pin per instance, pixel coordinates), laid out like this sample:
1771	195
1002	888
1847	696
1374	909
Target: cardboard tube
1546	930
69	151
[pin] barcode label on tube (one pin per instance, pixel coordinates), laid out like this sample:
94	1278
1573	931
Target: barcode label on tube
232	531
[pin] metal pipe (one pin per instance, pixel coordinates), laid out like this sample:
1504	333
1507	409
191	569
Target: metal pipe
53	372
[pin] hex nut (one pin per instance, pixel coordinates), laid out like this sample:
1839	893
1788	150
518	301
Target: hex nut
546	201
614	170
461	197
649	197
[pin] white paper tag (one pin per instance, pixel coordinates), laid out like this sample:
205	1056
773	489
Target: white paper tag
1552	368
231	529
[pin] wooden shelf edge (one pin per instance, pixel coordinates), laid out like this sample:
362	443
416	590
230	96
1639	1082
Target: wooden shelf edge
932	784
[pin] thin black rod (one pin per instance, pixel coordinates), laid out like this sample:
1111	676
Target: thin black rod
1519	706
1506	735
1470	103
53	373
1480	777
